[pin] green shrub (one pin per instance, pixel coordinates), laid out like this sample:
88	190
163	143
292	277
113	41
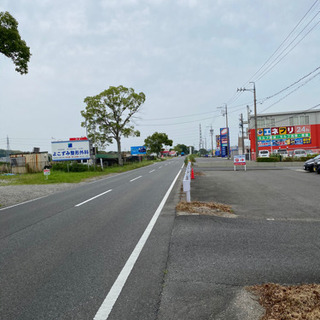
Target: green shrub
271	159
73	167
191	157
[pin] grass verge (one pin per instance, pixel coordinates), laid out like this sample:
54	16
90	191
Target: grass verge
68	177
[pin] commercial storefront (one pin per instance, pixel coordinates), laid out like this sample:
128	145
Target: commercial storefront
286	130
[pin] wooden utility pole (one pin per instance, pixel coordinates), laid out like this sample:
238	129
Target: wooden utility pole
255	115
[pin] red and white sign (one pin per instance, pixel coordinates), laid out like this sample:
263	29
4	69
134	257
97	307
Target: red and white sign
239	160
78	139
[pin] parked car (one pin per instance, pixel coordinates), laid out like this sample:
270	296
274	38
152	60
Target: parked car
317	166
298	153
282	152
309	164
264	154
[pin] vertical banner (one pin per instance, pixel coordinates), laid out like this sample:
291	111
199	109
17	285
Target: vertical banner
224	142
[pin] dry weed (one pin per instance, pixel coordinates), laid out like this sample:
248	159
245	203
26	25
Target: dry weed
289	302
203	207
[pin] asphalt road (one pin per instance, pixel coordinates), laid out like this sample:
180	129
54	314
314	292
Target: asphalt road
61	255
275	238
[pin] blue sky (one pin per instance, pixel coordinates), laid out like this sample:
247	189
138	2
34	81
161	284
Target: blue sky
188	57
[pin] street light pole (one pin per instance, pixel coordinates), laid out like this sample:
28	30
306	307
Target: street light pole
255	115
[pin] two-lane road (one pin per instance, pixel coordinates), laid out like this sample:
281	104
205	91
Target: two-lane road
71	254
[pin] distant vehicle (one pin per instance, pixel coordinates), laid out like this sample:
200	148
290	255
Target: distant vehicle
264	154
298	153
182	154
309	165
283	152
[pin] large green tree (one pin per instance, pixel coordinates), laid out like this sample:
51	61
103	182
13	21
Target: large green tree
181	148
11	44
156	142
107	116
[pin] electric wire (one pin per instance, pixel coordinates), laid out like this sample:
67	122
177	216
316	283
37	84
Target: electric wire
294	90
281	58
284	41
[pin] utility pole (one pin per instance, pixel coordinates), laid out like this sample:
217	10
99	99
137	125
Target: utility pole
8	150
211	133
242	135
255	114
200	138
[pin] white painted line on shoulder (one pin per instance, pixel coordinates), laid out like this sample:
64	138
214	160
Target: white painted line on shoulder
21	203
152	171
135	178
97	196
112	297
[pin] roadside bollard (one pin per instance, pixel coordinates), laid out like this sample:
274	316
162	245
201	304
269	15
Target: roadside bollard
187	182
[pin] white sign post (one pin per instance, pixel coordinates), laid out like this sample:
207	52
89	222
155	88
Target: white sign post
239	160
46	172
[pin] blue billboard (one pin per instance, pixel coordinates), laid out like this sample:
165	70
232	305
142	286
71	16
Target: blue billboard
139	150
224	142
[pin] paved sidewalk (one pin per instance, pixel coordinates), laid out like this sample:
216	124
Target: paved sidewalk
213	259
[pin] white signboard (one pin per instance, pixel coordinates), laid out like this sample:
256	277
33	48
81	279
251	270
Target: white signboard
70	150
239	160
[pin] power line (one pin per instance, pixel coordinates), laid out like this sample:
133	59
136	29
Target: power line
283	42
291	85
271	66
294	90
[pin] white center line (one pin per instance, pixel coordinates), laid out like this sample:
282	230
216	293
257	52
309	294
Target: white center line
135	178
112	296
160	167
152	170
99	195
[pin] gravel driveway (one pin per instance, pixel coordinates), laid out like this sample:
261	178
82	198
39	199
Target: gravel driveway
11	195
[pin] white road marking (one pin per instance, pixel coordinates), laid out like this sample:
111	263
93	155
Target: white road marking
160	167
152	171
111	298
99	195
21	203
135	178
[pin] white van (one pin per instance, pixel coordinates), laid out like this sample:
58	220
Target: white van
264	154
298	153
283	152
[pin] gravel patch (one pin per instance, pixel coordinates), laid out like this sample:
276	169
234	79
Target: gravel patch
11	195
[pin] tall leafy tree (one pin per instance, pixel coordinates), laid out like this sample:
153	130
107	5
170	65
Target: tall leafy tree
156	142
108	114
181	148
11	44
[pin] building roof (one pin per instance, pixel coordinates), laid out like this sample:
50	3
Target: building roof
288	113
